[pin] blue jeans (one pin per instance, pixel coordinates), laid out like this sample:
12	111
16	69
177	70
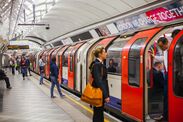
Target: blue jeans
41	78
53	83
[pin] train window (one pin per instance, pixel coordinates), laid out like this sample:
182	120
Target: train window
113	61
134	62
71	62
65	59
178	68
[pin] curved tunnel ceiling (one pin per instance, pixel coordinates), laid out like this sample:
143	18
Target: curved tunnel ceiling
68	15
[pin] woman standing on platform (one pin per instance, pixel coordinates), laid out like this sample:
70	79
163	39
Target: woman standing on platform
99	74
23	67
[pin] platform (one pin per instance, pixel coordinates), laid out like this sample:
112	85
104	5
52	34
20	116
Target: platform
28	101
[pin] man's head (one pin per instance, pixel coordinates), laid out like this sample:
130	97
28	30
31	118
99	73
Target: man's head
54	59
163	43
175	32
158	66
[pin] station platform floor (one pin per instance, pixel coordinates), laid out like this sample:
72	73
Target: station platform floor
28	101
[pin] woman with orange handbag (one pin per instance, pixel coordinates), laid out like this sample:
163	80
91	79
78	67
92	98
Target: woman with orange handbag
99	74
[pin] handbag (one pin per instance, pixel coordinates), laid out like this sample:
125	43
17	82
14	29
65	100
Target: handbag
92	95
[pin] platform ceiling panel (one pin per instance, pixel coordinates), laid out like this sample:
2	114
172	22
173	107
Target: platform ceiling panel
69	15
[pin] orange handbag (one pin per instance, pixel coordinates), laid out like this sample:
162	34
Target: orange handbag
92	95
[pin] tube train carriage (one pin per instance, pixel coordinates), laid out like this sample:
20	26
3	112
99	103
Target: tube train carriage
128	83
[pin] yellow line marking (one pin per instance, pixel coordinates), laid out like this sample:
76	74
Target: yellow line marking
76	102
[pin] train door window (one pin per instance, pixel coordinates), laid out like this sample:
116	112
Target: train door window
178	68
71	61
65	57
113	60
134	62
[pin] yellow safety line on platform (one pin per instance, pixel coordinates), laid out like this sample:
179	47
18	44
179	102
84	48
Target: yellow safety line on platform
86	108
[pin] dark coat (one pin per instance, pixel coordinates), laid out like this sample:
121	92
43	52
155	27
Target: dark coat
99	74
158	79
2	74
54	70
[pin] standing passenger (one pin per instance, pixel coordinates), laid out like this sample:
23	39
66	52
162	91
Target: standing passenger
18	64
41	70
54	77
28	65
12	64
99	74
23	67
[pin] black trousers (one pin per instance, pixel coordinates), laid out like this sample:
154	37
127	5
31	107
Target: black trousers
6	80
13	69
98	115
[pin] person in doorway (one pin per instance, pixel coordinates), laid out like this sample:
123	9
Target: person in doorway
4	77
54	78
99	74
159	54
111	67
158	79
23	67
41	70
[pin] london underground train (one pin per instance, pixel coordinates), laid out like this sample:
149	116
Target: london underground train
130	84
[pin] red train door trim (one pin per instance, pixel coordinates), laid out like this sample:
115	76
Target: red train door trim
60	53
133	96
175	103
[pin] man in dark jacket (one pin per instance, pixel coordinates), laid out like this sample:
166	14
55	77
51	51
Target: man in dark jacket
54	77
4	77
158	83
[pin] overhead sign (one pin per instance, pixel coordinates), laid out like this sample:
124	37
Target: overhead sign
16	47
153	17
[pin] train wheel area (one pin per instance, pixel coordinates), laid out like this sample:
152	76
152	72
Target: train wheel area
29	101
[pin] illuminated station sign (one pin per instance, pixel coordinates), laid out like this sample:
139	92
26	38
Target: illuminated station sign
16	47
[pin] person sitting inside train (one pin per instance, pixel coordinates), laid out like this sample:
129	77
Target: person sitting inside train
111	67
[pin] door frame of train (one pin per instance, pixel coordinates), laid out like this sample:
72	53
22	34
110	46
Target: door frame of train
60	53
71	74
129	108
174	102
49	54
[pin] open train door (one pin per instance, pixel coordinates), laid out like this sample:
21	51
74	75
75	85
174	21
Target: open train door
133	81
175	79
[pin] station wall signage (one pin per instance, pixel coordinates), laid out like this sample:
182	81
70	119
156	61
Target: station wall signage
16	47
153	17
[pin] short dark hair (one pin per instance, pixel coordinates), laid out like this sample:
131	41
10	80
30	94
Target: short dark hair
157	63
40	56
163	40
54	59
175	32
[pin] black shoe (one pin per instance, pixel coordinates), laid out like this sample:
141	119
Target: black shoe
9	87
53	96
